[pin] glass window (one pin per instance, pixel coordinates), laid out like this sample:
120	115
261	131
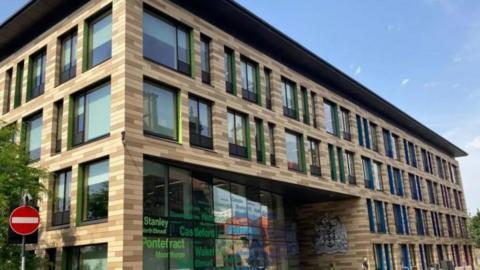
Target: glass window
205	58
314	109
333	162
315	157
96	190
62	198
229	70
350	167
18	85
87	257
100	39
37	74
222	205
7	96
239	204
368	173
271	135
259	140
306	112
377	175
293	145
160	110
268	87
330	117
91	114
289	99
202	195
68	56
200	122
33	136
345	124
58	125
180	193
237	134
155	192
166	43
373	136
248	72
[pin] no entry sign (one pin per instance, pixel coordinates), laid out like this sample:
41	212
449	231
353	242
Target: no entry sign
24	220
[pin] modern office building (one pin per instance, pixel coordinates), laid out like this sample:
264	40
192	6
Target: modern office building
194	135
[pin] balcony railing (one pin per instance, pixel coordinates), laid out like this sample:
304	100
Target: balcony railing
201	141
352	180
229	87
315	170
347	136
273	160
237	150
206	77
249	95
289	112
68	74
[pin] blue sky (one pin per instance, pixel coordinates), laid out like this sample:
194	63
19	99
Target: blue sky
421	55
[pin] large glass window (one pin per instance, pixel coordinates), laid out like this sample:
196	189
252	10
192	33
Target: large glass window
377	175
87	257
62	198
210	222
160	110
293	143
7	96
100	39
95	190
229	70
166	42
91	114
36	84
237	134
314	109
306	111
205	58
68	56
314	146
248	72
395	177
289	99
200	122
33	136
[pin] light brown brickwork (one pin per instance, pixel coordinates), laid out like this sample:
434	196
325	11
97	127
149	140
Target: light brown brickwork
127	69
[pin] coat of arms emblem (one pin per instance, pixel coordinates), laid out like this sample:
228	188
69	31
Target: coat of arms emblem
331	236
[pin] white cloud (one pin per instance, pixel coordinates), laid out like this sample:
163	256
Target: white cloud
457	59
405	81
358	70
474	144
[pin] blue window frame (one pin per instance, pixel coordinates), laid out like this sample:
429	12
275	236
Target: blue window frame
415	187
401	219
368	173
371	217
396	181
405	257
420	222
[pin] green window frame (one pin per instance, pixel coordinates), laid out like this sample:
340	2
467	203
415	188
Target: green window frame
36	74
295	148
91	113
290	99
238	130
7	95
85	257
18	85
32	135
333	164
260	141
332	123
306	111
97	49
230	75
68	56
341	164
155	108
249	73
93	191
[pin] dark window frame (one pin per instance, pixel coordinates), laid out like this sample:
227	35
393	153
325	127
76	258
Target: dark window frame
196	138
235	149
63	217
70	72
205	42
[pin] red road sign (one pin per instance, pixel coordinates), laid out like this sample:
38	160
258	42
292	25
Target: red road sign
24	220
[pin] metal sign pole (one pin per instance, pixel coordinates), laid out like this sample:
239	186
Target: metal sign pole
23	239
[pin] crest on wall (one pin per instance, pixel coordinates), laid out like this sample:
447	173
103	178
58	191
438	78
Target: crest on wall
331	235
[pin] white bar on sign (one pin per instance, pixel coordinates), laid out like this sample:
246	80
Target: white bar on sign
25	220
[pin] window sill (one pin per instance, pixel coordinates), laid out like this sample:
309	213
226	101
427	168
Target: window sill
58	227
159	137
89	142
239	156
93	222
211	150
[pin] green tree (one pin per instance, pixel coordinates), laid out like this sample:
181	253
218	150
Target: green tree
17	177
474	228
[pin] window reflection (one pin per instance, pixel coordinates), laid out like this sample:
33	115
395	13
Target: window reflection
211	223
